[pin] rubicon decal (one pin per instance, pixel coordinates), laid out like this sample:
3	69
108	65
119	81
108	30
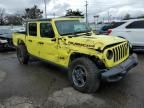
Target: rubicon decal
81	44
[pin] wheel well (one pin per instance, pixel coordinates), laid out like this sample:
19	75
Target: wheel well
97	61
20	42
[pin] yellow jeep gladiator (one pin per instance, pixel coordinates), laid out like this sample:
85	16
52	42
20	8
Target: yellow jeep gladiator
69	42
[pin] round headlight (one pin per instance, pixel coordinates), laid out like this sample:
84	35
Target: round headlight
109	55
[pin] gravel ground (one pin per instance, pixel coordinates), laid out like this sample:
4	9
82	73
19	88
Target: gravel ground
42	85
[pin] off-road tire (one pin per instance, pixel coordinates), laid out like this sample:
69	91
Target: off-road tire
92	80
22	54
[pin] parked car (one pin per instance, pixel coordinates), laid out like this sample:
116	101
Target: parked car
132	30
96	27
3	44
6	37
106	29
70	43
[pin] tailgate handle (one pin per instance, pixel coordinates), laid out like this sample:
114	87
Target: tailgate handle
30	40
40	43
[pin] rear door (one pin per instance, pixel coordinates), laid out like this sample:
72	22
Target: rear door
32	39
135	31
48	43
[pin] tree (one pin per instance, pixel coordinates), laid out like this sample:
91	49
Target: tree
70	12
15	19
142	16
2	13
127	17
33	13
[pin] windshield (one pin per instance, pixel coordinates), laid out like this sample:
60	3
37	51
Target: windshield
70	27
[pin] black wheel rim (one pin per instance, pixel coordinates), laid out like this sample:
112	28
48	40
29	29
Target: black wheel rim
79	76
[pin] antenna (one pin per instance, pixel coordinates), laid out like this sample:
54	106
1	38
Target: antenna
54	10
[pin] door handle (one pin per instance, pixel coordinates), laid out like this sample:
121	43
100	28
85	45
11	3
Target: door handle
30	40
40	43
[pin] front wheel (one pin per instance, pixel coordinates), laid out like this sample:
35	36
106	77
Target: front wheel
83	75
22	54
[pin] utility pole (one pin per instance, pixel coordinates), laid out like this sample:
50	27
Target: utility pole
86	12
108	16
45	8
103	20
95	22
96	17
54	10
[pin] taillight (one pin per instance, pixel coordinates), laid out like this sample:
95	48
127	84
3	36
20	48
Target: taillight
109	31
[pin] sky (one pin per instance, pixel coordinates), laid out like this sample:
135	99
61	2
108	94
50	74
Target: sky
103	8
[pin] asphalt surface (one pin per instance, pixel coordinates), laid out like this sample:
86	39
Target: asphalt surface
43	85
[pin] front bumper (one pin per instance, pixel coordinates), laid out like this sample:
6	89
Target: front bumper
118	72
6	44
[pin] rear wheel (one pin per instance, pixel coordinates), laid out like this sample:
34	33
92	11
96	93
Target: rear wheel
22	54
83	75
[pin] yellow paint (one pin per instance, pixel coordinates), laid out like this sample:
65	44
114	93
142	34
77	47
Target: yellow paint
59	51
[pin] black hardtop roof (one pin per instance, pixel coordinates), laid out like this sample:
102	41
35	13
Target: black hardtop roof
30	20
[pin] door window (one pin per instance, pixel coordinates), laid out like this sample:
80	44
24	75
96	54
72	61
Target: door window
46	30
32	29
136	25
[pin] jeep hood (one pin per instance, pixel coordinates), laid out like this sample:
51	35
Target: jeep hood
95	41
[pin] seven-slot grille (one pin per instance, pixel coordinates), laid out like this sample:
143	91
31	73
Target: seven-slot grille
120	51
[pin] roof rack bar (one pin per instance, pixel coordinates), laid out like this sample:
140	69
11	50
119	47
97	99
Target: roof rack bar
38	20
49	19
71	17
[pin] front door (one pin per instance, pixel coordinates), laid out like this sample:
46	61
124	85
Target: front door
48	43
31	39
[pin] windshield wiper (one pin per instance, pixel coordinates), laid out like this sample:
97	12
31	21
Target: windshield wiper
70	34
77	34
66	34
88	33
